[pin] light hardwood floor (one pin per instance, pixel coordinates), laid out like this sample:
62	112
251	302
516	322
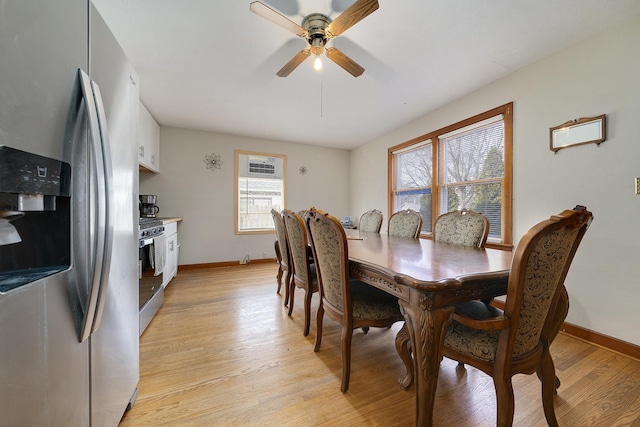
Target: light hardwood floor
223	352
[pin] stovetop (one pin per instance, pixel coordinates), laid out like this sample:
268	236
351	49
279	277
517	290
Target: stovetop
149	227
149	222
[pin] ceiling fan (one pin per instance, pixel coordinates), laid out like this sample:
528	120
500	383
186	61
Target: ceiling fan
317	29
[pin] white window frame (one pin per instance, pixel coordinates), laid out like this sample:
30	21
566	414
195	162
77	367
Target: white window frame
273	171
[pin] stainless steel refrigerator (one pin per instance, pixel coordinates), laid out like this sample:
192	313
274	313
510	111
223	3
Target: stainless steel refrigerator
69	349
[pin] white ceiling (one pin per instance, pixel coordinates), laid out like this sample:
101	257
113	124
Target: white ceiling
211	64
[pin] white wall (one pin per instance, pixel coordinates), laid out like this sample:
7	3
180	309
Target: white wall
204	197
599	76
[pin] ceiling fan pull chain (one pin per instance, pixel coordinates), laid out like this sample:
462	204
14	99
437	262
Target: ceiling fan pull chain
321	91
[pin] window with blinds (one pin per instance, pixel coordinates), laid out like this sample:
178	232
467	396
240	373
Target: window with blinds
472	170
413	184
466	165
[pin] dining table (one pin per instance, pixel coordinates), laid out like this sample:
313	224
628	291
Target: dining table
428	278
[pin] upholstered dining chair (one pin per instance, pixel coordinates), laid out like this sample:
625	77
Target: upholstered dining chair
371	221
284	259
462	227
405	223
352	303
503	344
304	271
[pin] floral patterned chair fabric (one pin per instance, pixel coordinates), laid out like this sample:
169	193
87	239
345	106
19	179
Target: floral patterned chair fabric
370	221
352	303
462	227
517	340
304	271
406	223
284	259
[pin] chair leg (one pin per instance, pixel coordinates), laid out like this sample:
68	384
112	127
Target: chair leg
279	278
319	316
287	280
279	258
403	347
504	398
307	311
292	294
556	383
547	373
347	334
561	311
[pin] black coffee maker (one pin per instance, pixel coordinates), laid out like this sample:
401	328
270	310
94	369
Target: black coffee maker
147	205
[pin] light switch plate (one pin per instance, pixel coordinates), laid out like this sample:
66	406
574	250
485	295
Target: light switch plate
637	185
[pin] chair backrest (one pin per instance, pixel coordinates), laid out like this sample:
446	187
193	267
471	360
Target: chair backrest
298	243
281	235
329	245
539	267
370	221
463	227
405	223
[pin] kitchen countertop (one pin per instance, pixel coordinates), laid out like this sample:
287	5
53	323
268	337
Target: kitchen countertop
168	220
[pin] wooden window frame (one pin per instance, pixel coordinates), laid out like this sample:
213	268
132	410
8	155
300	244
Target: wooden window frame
506	111
271	229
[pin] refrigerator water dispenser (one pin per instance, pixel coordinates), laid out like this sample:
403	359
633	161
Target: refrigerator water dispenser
35	225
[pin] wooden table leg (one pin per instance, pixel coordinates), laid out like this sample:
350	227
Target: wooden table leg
427	329
403	346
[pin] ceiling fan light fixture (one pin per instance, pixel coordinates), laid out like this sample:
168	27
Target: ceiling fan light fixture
317	47
317	29
317	63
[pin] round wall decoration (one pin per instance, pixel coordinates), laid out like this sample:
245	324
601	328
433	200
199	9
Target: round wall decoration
214	161
303	170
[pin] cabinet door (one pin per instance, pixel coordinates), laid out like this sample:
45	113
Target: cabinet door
148	141
171	259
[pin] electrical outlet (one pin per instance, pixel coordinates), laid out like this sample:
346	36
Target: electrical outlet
264	254
637	185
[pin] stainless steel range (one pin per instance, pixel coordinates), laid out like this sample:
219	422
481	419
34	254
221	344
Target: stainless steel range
150	266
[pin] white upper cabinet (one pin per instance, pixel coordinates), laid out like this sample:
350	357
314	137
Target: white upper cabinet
148	141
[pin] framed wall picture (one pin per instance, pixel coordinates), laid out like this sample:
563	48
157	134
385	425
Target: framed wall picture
588	130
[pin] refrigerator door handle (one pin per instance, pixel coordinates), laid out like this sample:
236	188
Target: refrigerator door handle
98	225
105	198
96	243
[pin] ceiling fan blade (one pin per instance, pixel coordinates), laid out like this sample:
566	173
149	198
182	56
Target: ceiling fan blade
344	61
277	18
295	61
354	14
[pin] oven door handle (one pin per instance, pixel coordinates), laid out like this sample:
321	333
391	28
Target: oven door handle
146	242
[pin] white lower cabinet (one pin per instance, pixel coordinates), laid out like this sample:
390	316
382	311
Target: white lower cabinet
173	249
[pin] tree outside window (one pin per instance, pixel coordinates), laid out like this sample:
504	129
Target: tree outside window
472	170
